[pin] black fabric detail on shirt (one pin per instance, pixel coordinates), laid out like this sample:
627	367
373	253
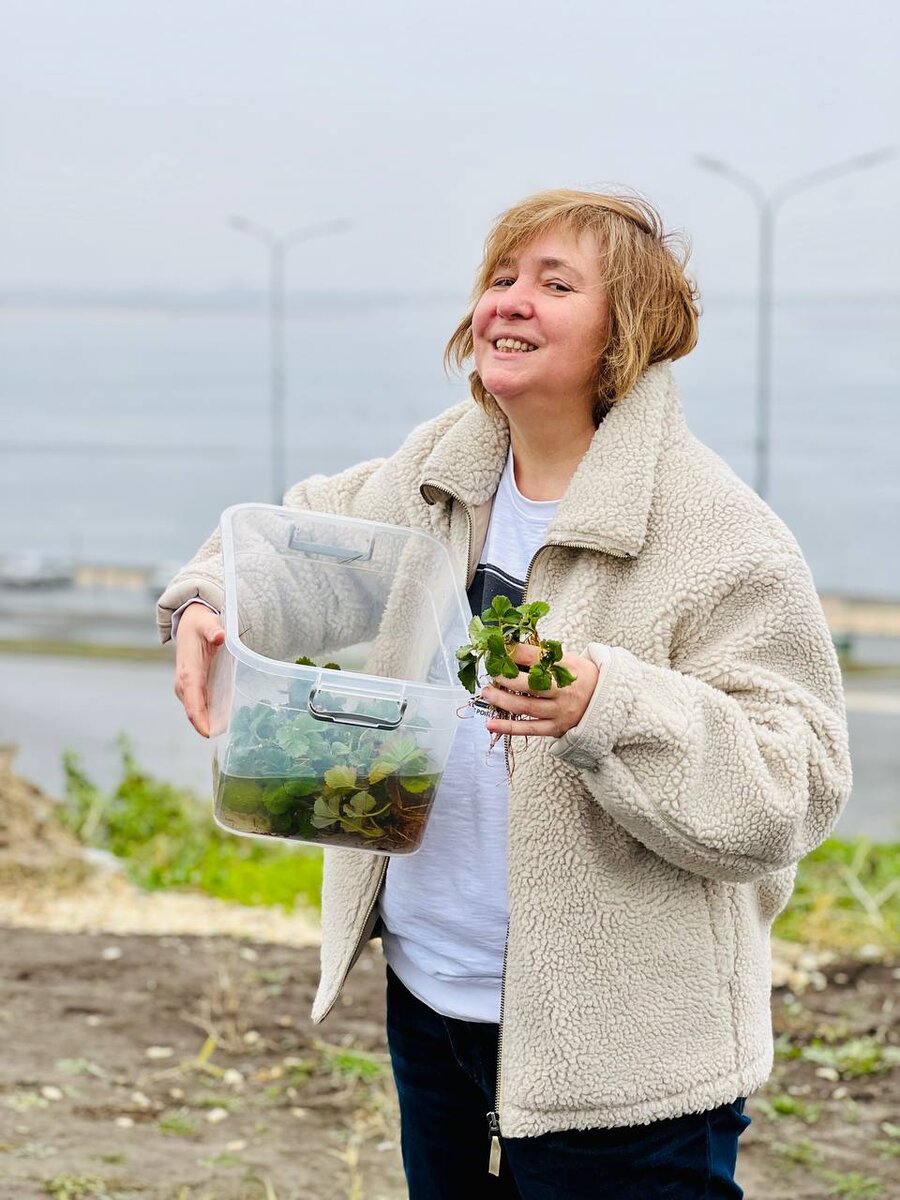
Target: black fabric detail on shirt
491	581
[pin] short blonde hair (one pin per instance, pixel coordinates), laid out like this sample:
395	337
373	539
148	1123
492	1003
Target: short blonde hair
653	303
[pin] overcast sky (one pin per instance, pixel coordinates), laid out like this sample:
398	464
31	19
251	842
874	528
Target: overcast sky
131	130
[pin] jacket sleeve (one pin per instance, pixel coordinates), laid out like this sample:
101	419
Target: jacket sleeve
733	762
203	576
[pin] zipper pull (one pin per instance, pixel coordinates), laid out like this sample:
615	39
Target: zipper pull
494	1128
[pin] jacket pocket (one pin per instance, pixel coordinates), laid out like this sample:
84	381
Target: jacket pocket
722	923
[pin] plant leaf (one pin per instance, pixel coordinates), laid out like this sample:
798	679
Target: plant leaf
341	778
539	679
562	675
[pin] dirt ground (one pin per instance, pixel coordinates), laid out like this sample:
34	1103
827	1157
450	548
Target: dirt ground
159	1047
185	1068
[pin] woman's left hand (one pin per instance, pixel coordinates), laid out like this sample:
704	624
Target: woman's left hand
554	712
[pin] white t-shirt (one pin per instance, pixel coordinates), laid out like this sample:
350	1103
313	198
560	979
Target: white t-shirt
444	908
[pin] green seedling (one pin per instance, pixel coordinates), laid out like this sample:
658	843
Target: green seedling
500	629
290	775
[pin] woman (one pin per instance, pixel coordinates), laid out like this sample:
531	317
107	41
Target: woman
578	995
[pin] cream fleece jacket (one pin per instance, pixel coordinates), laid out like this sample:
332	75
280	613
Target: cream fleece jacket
650	847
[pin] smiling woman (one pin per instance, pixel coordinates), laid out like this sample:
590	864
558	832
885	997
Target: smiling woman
579	951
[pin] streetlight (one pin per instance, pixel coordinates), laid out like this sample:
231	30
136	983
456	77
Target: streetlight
767	208
278	246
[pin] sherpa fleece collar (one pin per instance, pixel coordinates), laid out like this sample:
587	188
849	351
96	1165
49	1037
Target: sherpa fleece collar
468	461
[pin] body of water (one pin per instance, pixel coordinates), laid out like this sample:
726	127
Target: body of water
125	432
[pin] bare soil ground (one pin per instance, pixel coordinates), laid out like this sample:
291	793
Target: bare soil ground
186	1068
160	1048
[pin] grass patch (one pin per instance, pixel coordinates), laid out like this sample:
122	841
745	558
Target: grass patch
801	1154
852	1185
178	1124
84	650
847	893
847	896
168	839
353	1065
784	1105
76	1187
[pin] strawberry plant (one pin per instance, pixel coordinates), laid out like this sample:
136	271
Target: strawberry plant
501	628
289	775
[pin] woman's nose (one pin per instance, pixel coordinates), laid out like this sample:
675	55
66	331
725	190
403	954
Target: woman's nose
514	302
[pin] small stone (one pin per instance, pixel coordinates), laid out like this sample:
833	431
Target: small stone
236	1146
141	1100
156	1052
299	1112
51	1093
251	1037
383	1146
124	1122
285	1022
176	1093
871	952
215	1115
248	954
346	1000
233	1078
840	1093
111	953
828	1073
841	977
93	1020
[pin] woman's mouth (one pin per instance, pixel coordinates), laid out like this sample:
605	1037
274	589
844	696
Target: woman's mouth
507	345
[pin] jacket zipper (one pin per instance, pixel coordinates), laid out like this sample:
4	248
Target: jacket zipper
493	1117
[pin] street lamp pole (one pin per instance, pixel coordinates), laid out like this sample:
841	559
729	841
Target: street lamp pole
767	207
278	246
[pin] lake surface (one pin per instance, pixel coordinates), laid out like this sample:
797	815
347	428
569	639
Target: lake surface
125	433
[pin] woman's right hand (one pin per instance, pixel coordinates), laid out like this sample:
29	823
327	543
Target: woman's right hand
200	634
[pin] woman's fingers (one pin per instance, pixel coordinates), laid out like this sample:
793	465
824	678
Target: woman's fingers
198	642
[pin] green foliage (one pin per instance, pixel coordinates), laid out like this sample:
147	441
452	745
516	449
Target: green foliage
504	626
290	775
355	1065
76	1187
177	1123
847	895
852	1185
853	1059
785	1105
803	1153
168	839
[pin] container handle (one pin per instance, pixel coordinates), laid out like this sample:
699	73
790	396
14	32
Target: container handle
342	553
344	718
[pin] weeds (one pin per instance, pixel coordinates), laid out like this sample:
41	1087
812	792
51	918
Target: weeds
852	1185
847	896
168	839
76	1187
177	1123
784	1105
801	1154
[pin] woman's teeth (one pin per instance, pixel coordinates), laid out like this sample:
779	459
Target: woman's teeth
513	344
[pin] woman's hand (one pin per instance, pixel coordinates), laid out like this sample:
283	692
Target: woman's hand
555	711
200	634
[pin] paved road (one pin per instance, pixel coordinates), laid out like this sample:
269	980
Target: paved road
49	704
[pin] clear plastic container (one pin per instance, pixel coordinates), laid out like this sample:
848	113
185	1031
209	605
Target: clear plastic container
338	757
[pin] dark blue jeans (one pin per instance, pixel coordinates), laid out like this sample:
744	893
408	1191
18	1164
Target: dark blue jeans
445	1072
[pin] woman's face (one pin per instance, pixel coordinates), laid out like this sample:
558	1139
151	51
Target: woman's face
541	325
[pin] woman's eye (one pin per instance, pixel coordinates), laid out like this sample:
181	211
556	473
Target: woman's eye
560	287
503	281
